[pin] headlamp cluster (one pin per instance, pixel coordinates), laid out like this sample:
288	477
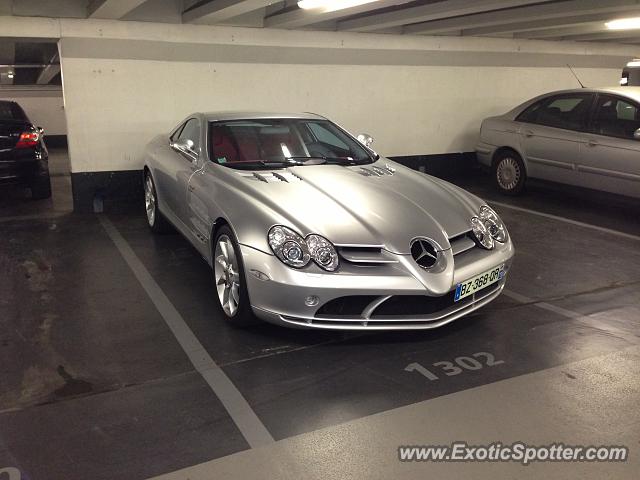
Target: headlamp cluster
297	252
488	228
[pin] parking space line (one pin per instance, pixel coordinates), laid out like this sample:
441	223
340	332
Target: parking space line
560	311
568	220
253	430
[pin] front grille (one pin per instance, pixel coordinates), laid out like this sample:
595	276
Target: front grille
349	306
410	305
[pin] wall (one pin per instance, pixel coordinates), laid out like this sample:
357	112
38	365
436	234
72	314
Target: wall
44	106
127	81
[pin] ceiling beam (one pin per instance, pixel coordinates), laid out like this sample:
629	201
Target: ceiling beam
111	9
561	31
50	71
220	10
533	25
301	17
424	13
530	13
603	36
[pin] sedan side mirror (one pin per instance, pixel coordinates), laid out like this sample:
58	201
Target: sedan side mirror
636	134
365	139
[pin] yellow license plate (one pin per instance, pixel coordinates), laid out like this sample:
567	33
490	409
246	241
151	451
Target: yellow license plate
479	282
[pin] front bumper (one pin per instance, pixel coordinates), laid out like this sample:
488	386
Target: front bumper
279	294
484	153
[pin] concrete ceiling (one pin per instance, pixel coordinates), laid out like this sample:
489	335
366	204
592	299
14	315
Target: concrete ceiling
575	20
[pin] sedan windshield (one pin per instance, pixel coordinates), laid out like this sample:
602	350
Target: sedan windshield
268	143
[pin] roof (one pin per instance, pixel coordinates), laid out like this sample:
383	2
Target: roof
629	92
240	115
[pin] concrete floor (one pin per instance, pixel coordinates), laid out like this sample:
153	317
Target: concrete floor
94	384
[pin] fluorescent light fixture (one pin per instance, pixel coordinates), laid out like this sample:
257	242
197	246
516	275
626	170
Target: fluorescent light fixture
10	75
331	5
634	63
624	24
624	81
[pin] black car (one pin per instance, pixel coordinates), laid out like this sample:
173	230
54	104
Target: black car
24	158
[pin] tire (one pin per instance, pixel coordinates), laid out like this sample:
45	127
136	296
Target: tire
156	221
41	188
230	280
509	174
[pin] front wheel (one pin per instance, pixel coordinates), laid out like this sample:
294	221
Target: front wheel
509	174
231	286
156	221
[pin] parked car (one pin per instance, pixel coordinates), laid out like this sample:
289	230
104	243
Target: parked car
585	137
23	154
305	226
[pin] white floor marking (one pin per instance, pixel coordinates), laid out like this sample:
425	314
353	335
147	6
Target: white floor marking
568	220
562	311
239	410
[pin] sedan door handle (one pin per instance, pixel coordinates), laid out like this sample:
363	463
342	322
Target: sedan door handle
528	133
191	188
593	143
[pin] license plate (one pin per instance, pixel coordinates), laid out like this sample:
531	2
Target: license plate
479	282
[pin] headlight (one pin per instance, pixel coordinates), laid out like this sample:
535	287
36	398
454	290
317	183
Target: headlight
297	252
493	223
488	228
288	246
322	252
481	233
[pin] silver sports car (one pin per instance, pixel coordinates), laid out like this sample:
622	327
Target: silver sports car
305	226
586	137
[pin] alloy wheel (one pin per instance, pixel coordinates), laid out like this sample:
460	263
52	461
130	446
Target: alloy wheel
508	173
227	275
150	200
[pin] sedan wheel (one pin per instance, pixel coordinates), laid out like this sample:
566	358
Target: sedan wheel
227	275
508	173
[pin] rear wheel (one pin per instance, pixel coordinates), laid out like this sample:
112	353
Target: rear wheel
41	187
156	221
231	285
509	174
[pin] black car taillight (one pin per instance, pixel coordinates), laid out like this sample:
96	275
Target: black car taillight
28	139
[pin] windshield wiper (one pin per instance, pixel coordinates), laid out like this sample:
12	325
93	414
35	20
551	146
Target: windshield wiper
329	160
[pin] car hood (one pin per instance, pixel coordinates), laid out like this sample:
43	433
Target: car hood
365	205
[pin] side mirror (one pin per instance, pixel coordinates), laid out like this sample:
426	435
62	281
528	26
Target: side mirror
636	134
184	146
365	139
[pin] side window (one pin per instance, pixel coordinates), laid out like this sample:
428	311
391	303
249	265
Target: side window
325	136
563	111
191	131
615	117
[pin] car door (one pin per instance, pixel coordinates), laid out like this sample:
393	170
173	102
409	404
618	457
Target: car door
551	132
610	157
177	167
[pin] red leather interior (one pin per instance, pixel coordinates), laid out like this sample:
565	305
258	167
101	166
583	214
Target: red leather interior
222	144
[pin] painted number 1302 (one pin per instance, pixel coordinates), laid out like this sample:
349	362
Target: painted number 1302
476	361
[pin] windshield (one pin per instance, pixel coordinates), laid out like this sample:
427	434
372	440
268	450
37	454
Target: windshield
265	143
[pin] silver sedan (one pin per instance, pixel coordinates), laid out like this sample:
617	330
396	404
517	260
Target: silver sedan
587	137
306	226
